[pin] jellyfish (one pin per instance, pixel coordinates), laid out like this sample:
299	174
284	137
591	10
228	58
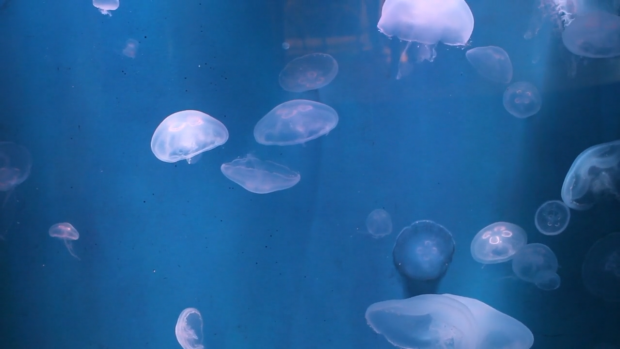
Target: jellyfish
185	135
105	6
15	164
309	72
594	35
552	217
131	48
258	176
601	268
423	250
537	264
295	122
379	223
522	99
189	329
497	243
491	62
593	176
67	233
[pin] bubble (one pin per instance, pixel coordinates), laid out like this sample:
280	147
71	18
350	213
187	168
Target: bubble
379	223
258	176
309	72
522	99
552	217
67	233
189	329
491	62
537	264
105	6
601	268
497	243
15	164
595	35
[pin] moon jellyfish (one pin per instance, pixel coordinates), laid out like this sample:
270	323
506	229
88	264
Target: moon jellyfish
258	176
295	122
594	35
537	264
601	268
185	135
131	48
309	72
497	243
423	250
379	223
105	6
522	99
491	62
15	164
552	217
593	176
67	233
189	329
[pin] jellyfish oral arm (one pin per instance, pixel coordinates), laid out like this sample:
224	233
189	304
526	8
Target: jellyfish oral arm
69	246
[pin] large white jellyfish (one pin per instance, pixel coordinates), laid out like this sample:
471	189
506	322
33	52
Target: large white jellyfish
258	176
491	62
185	135
309	72
15	164
601	268
423	250
295	122
105	6
552	217
379	223
497	243
189	329
522	99
536	263
67	233
594	35
594	175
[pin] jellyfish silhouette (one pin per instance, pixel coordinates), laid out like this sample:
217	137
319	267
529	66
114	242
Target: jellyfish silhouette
258	176
537	264
522	99
15	164
601	268
379	223
594	35
131	48
491	62
309	72
497	243
552	217
67	233
105	6
188	329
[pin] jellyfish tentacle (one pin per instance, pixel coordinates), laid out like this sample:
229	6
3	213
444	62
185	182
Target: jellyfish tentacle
69	246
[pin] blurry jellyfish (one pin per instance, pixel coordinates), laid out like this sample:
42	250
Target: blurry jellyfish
67	233
594	35
536	263
258	176
185	135
497	243
593	176
379	223
131	48
309	72
552	217
295	122
601	268
522	99
491	62
189	329
105	6
423	250
15	164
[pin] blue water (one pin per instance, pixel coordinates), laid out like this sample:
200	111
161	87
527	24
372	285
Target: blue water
288	269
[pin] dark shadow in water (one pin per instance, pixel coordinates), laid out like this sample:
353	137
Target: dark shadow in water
4	4
412	288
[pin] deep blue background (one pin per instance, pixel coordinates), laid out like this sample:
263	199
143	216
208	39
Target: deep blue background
289	269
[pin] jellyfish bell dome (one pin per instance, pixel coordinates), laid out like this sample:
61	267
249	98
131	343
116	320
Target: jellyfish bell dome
522	99
379	223
67	233
105	6
497	243
601	268
258	176
188	329
186	134
594	34
536	263
552	217
309	72
491	62
15	164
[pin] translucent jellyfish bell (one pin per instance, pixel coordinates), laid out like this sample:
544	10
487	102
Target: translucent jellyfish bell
295	122
595	35
105	6
67	233
536	263
593	176
552	217
186	134
491	62
497	243
189	329
423	250
15	164
309	72
131	48
258	176
522	99
601	268
379	223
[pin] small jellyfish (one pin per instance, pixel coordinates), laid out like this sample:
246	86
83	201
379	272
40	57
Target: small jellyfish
379	223
491	62
594	35
601	268
423	250
522	99
105	6
67	233
189	329
309	72
593	176
185	135
497	243
295	122
552	217
15	164
536	263
258	176
131	48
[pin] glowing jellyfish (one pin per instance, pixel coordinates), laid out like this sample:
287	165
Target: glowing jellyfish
552	217
131	48
536	263
497	243
379	223
295	122
522	99
185	135
189	329
423	250
601	268
105	6
594	176
309	72
594	35
67	233
258	176
491	62
15	164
